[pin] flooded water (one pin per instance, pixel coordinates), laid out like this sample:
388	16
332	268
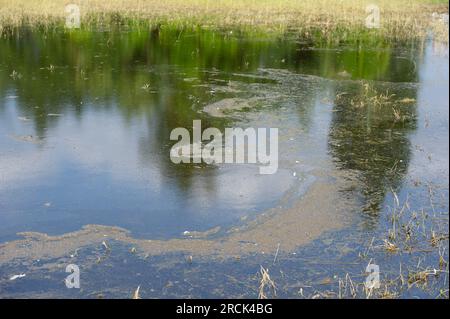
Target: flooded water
85	120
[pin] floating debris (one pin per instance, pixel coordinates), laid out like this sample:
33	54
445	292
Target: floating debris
222	107
204	234
74	254
15	75
276	254
390	246
104	244
146	86
136	293
17	276
26	138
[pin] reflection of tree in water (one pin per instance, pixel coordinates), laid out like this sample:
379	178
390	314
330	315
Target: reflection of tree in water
173	110
72	71
140	74
369	133
143	74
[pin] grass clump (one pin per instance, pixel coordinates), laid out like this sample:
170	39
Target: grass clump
399	19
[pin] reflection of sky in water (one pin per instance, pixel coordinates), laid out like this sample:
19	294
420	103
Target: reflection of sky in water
432	135
91	170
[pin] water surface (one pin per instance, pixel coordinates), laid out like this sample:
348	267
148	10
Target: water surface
85	119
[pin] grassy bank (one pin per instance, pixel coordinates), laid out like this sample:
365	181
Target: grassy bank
400	19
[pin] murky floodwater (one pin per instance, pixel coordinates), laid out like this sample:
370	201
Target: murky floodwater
85	119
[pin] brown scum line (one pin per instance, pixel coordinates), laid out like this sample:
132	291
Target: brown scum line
283	229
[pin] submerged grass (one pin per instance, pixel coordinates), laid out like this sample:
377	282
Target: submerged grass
338	19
